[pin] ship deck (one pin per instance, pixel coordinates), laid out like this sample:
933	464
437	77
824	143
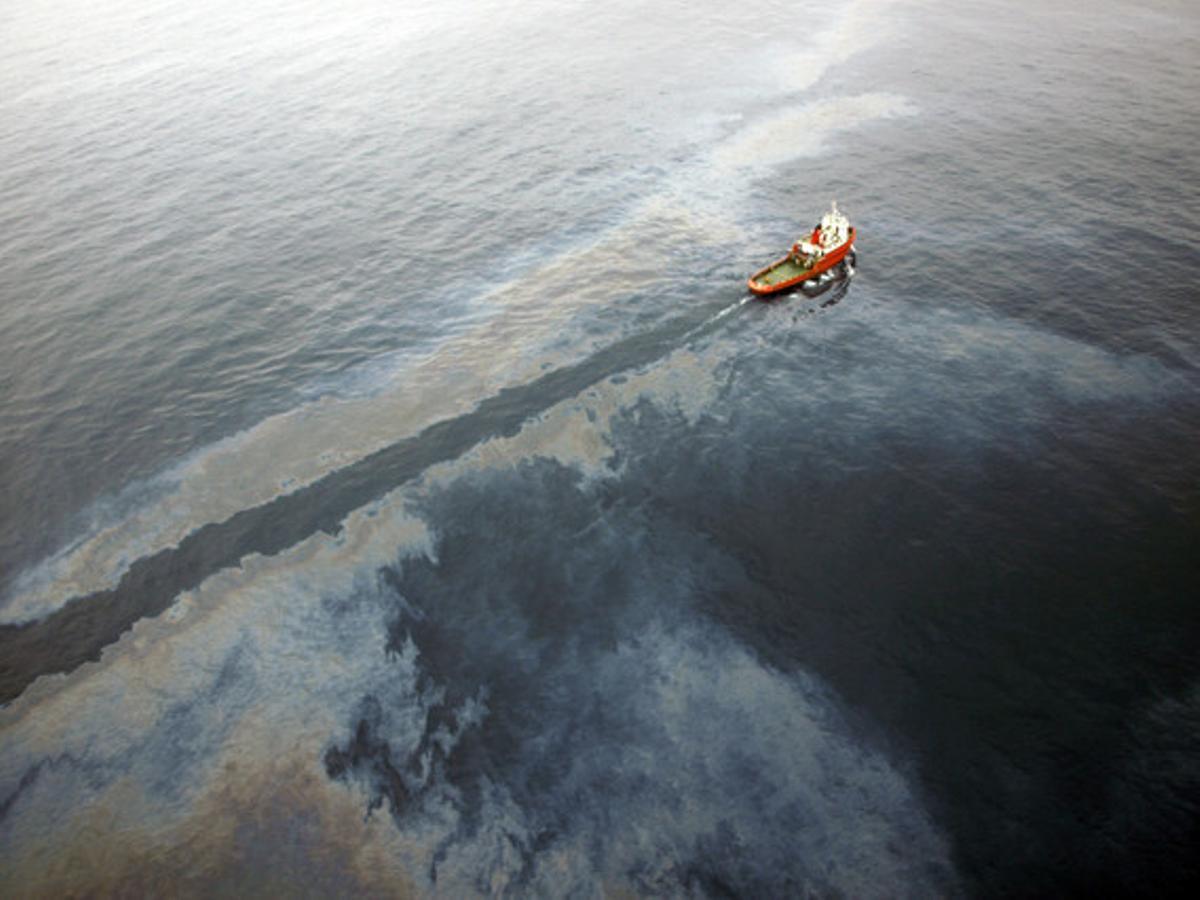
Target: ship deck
785	270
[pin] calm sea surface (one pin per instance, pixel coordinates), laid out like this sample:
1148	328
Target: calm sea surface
400	495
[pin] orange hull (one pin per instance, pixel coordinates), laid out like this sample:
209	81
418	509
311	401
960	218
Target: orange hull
824	264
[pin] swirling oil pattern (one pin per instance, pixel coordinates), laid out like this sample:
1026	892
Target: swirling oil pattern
401	494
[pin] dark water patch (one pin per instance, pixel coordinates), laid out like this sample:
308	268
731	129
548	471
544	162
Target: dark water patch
1004	615
498	622
558	630
1150	823
369	755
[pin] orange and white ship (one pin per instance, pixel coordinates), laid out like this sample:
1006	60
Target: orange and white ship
829	245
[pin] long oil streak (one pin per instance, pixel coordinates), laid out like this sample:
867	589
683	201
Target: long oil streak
79	631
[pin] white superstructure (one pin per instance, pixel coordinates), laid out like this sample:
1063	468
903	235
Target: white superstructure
835	228
833	231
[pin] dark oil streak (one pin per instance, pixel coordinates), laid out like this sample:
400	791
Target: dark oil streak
78	632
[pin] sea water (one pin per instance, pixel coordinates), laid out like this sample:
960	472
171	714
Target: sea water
400	495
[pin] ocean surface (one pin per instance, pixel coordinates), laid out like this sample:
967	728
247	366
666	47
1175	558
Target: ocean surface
401	495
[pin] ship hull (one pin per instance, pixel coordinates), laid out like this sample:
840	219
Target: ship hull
785	274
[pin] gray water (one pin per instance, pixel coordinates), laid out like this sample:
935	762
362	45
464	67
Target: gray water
399	493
